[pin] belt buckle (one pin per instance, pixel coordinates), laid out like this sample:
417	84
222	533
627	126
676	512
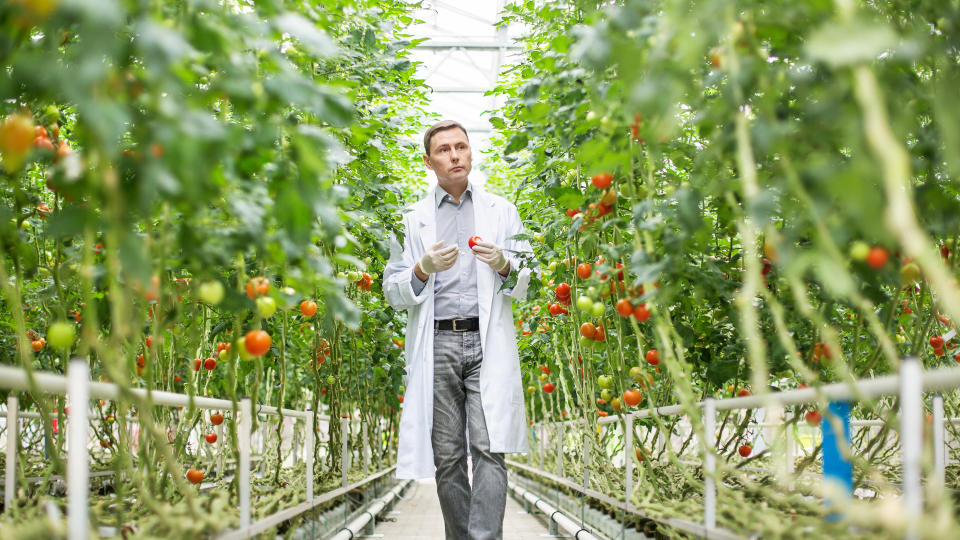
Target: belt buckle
455	329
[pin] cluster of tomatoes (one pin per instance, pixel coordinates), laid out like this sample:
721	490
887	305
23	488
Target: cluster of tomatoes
604	206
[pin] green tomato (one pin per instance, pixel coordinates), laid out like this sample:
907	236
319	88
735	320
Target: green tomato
606	395
636	372
539	238
598	309
241	350
224	355
331	380
266	306
901	338
61	335
591	116
586	343
605	381
552	267
210	292
592	292
585	304
859	250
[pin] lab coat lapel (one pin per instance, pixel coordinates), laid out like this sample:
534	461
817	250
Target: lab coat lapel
485	223
427	218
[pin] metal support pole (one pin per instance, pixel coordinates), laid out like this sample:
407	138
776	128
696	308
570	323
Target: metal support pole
220	458
541	442
243	467
308	453
709	464
366	450
939	443
586	468
911	439
627	471
344	454
13	443
791	451
78	472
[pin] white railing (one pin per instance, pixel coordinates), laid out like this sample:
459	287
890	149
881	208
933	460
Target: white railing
909	385
78	388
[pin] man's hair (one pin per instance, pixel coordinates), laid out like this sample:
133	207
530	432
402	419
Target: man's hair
440	126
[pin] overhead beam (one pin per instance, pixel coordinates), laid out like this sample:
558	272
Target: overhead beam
491	46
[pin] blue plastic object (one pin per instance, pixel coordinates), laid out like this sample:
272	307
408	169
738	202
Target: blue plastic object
837	468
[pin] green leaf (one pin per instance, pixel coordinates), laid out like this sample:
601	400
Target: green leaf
311	37
851	42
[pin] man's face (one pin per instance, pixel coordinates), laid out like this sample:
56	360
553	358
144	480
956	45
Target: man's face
450	155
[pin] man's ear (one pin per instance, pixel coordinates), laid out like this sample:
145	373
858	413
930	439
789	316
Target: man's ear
426	161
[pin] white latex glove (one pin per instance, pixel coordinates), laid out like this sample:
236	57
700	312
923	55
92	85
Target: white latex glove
439	258
490	254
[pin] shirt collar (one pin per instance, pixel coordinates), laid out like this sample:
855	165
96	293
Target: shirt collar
441	194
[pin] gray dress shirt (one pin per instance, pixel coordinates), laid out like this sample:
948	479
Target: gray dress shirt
455	289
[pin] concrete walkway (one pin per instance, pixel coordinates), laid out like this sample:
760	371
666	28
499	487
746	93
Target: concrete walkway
418	517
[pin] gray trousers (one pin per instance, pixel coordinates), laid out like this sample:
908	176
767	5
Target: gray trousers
475	514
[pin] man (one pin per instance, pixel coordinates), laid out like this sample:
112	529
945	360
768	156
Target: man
463	370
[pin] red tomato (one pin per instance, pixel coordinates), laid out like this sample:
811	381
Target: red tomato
197	363
877	258
745	450
210	364
602	180
555	309
548	388
195	476
257	342
562	291
600	335
743	392
141	361
149	341
584	271
813	418
473	241
632	397
216	419
572	212
257	286
211	438
936	342
653	357
588	330
36	345
641	313
624	307
308	308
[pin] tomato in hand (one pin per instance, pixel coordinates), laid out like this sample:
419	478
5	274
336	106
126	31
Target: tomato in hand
473	241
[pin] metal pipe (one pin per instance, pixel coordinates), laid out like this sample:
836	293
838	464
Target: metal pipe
911	440
78	465
709	464
13	443
344	454
555	515
243	467
308	455
352	529
939	443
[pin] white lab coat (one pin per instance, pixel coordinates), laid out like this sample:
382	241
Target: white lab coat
501	392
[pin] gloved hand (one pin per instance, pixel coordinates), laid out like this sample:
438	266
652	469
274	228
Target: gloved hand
439	258
490	254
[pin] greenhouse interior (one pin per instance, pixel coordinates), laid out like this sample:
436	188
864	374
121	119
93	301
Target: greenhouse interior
499	269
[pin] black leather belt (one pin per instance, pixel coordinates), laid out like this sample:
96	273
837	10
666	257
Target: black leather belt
458	325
